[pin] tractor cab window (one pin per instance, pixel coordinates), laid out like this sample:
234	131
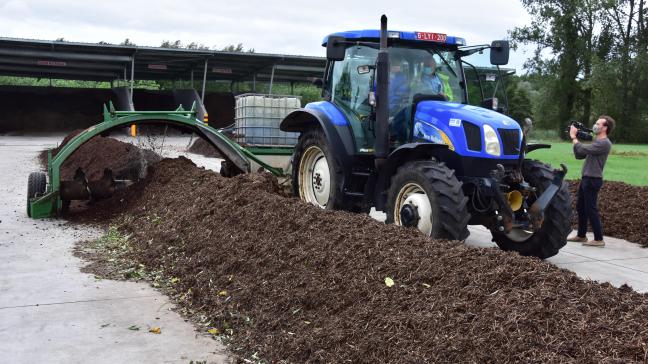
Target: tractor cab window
350	87
485	82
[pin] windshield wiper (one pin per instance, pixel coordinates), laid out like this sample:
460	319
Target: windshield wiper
444	61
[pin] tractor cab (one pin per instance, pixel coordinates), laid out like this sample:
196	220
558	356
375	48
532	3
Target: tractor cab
422	66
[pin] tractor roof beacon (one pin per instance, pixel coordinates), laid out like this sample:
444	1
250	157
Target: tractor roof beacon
396	131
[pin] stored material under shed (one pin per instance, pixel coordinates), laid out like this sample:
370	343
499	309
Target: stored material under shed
49	109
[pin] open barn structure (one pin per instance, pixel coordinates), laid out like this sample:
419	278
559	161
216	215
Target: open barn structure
187	70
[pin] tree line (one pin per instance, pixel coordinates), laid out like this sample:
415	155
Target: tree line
178	44
590	58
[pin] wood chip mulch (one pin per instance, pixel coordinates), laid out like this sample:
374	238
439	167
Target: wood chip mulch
284	281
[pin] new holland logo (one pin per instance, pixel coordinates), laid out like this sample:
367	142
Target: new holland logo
455	122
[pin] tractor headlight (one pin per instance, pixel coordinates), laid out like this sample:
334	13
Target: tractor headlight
491	140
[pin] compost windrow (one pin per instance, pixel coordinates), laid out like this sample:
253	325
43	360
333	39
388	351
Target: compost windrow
622	210
288	282
127	161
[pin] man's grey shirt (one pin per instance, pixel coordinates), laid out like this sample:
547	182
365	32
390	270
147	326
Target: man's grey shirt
595	155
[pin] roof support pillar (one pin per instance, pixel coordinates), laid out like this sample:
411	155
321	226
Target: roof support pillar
202	94
132	80
254	82
271	79
192	79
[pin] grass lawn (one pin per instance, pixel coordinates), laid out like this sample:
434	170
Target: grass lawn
627	162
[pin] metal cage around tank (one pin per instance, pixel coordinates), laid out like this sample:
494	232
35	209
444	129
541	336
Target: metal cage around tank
257	119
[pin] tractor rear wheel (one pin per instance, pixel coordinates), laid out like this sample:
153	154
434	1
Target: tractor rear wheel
428	196
36	184
316	177
552	235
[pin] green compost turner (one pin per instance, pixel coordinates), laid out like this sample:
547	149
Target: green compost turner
47	194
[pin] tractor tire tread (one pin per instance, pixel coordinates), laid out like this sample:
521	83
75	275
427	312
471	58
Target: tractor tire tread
316	136
36	185
453	210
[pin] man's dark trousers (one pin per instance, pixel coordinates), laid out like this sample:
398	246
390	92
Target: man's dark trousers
586	206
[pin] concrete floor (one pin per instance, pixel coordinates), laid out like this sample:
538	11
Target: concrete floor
619	262
50	312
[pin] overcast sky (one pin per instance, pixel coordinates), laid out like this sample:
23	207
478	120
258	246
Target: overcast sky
286	27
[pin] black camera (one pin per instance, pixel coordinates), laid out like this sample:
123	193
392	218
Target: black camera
583	133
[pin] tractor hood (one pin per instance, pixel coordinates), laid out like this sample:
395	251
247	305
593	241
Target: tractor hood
464	127
442	112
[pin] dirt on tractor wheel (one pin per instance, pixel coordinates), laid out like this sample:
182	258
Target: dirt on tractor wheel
622	217
284	281
202	147
126	160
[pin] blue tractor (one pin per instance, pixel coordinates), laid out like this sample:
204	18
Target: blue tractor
396	132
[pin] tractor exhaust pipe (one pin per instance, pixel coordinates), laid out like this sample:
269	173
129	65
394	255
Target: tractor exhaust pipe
381	144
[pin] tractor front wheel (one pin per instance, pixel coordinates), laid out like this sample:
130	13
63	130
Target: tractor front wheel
427	195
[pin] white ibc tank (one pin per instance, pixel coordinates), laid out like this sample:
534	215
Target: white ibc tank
258	116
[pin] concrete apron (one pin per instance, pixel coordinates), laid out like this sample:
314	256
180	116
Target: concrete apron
619	262
51	312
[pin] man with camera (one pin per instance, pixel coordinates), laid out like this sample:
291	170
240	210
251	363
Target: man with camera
595	155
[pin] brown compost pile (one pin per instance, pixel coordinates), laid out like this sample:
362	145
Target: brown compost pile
288	282
623	214
126	160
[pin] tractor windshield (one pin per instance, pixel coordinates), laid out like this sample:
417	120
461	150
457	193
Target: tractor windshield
424	71
416	72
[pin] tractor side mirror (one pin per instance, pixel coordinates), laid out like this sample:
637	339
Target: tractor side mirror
364	69
499	54
335	48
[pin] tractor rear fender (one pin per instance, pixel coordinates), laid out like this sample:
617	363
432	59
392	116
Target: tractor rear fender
338	134
401	155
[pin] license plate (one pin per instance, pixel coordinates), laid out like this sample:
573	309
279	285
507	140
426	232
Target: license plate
433	37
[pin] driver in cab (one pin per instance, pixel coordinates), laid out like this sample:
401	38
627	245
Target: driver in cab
432	82
402	90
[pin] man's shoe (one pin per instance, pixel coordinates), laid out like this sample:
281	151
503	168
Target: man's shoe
577	239
599	243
